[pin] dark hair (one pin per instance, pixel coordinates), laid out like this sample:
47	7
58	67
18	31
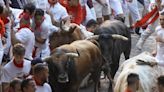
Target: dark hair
91	22
1	9
36	61
14	82
39	68
132	78
30	7
25	83
39	12
120	18
162	13
161	80
18	49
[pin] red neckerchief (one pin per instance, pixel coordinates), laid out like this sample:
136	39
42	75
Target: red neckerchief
154	14
25	25
37	25
2	28
37	82
128	90
18	65
5	20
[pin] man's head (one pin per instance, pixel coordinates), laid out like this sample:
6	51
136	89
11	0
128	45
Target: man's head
29	9
4	12
73	2
28	85
24	22
91	25
160	81
161	18
39	16
15	85
41	73
18	52
133	79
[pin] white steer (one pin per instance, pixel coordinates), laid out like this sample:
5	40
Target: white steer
147	74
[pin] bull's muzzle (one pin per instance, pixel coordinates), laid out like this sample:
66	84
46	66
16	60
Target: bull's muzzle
63	78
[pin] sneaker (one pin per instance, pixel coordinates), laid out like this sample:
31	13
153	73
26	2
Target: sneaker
137	31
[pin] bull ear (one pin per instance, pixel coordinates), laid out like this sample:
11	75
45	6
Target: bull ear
63	27
72	29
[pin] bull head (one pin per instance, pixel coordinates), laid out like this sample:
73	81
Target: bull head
63	77
114	36
64	64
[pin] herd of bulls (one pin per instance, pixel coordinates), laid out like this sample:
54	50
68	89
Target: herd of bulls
73	56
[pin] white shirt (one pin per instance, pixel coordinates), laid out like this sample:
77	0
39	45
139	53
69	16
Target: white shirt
1	50
41	4
160	46
45	88
43	33
2	2
10	71
59	12
27	38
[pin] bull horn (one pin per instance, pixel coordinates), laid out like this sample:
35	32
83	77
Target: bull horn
63	27
72	54
115	36
94	37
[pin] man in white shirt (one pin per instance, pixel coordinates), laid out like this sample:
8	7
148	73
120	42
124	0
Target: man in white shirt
151	27
57	12
27	13
25	36
102	10
41	31
17	67
159	50
41	73
131	6
117	8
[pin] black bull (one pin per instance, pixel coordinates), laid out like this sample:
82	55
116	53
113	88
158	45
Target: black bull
113	48
66	72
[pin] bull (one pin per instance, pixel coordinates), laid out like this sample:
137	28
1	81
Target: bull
70	63
113	48
147	75
67	34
